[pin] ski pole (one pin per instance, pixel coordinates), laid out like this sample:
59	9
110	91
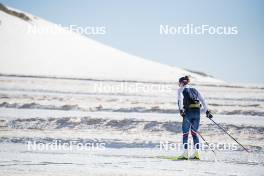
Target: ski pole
229	134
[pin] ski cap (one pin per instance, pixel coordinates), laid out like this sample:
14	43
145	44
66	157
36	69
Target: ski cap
184	80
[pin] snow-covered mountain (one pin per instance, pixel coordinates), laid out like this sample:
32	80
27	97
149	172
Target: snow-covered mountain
72	55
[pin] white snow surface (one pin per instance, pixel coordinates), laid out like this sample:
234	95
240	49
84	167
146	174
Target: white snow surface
69	54
131	124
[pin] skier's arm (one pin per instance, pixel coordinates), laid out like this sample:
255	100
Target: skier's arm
202	100
180	99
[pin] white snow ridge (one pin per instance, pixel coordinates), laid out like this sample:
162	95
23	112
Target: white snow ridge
73	55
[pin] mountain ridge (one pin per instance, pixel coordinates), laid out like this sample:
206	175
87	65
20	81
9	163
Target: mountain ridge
76	56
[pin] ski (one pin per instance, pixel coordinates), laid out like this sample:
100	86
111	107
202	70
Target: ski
173	158
177	158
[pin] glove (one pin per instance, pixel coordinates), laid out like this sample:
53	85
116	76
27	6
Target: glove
182	113
208	114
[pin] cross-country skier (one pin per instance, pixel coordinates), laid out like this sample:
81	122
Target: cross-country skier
190	102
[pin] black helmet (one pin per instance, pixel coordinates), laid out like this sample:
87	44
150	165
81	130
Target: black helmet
185	80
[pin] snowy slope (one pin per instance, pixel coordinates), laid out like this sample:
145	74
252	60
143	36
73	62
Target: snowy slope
73	55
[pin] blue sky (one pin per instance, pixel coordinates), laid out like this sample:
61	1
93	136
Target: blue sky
133	26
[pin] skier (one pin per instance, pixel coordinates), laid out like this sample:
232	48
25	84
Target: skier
190	102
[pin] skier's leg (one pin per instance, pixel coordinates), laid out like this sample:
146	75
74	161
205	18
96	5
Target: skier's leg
195	139
185	131
195	126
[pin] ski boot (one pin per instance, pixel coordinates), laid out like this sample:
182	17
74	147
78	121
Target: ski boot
195	155
183	156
